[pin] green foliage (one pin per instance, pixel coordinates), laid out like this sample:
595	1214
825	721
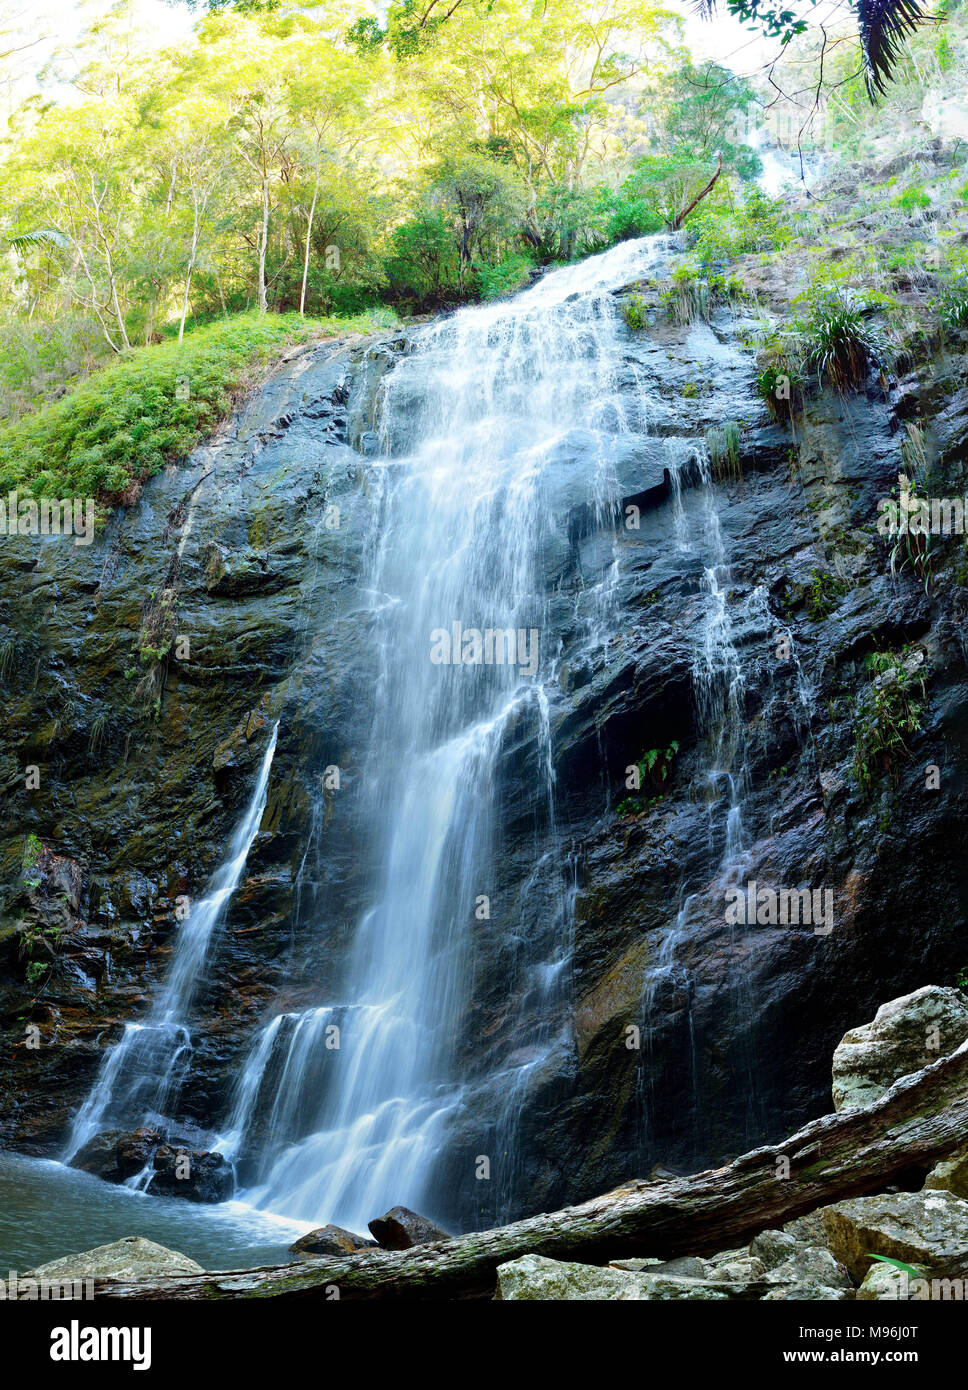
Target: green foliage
839	344
952	305
723	448
510	274
909	547
723	231
823	594
913	200
634	312
653	771
152	406
888	713
688	297
422	264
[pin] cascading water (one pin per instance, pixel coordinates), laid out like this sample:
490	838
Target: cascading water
139	1077
350	1098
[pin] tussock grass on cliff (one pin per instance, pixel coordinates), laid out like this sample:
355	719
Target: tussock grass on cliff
150	407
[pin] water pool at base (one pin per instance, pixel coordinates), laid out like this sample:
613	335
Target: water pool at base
47	1211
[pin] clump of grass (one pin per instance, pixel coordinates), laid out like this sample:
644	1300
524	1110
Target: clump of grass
152	406
952	303
634	313
839	343
688	296
722	446
912	200
912	546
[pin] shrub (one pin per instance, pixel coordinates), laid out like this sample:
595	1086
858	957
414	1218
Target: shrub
510	274
952	303
912	200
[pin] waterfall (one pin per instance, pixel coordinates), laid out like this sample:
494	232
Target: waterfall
144	1071
342	1108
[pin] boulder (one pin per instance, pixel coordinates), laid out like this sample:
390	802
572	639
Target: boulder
132	1257
741	1269
904	1036
806	1230
950	1175
116	1155
330	1240
535	1277
400	1229
927	1229
193	1174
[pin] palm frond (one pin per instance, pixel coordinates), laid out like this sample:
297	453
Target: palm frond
48	236
884	25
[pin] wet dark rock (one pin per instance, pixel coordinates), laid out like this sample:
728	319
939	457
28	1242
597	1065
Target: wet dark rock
194	1175
400	1229
330	1240
135	806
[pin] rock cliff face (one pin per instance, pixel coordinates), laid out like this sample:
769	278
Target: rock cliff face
141	677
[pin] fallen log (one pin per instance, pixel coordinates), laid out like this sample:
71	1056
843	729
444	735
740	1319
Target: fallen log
920	1119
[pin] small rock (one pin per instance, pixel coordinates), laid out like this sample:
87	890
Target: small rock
813	1265
774	1247
950	1175
884	1281
807	1230
869	1059
740	1270
330	1240
920	1228
400	1229
132	1257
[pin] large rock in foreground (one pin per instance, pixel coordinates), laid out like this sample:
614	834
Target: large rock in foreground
132	1257
926	1229
537	1278
905	1035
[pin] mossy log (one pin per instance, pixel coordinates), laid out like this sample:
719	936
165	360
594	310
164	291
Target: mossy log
919	1120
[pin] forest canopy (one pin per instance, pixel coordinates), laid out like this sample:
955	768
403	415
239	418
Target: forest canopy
314	161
